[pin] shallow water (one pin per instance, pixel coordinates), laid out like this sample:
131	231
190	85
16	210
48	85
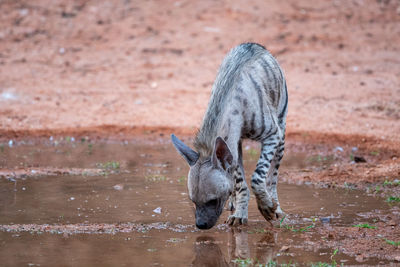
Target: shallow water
147	207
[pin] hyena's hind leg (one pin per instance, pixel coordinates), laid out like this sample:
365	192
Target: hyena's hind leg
272	181
266	204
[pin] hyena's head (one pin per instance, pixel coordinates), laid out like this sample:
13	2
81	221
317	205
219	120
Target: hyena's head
209	180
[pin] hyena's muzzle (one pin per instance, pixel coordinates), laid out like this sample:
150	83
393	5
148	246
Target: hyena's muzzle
207	214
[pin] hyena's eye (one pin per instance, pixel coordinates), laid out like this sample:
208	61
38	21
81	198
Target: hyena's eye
212	202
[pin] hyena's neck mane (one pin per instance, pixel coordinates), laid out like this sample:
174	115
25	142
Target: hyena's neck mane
205	150
227	79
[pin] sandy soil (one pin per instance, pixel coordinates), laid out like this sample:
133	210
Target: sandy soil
115	66
124	68
120	69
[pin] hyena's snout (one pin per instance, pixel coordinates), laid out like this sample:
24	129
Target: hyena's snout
206	217
207	214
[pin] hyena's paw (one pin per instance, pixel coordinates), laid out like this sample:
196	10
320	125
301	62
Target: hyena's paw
269	212
238	218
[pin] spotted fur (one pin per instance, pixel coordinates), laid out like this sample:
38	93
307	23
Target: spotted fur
249	100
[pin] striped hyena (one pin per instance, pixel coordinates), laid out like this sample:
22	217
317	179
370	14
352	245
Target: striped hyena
249	100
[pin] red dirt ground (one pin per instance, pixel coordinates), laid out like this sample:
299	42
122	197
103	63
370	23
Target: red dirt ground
81	66
121	69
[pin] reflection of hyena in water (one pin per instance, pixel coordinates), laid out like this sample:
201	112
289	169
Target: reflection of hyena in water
249	100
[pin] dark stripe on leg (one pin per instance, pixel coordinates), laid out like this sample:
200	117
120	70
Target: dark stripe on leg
260	172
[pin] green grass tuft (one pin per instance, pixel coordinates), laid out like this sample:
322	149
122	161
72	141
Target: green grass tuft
182	180
374	153
90	149
391	183
155	178
323	264
243	262
110	165
391	199
365	225
299	230
393	243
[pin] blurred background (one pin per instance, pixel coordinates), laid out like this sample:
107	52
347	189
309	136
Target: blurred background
124	66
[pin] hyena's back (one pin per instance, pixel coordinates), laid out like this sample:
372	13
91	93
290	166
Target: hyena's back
249	98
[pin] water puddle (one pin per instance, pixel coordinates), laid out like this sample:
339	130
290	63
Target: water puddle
138	212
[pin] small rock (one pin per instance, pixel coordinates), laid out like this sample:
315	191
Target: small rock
325	220
360	258
284	249
8	96
157	210
211	29
10	143
392	223
397	258
338	148
153	85
118	187
23	12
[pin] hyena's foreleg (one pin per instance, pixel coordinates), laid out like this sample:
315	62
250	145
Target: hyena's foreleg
272	179
266	205
240	196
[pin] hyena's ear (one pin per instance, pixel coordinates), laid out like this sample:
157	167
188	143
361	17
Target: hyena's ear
186	152
221	154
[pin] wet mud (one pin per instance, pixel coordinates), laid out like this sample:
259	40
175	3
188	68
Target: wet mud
133	208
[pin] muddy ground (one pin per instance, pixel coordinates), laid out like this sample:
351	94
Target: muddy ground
128	71
134	195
